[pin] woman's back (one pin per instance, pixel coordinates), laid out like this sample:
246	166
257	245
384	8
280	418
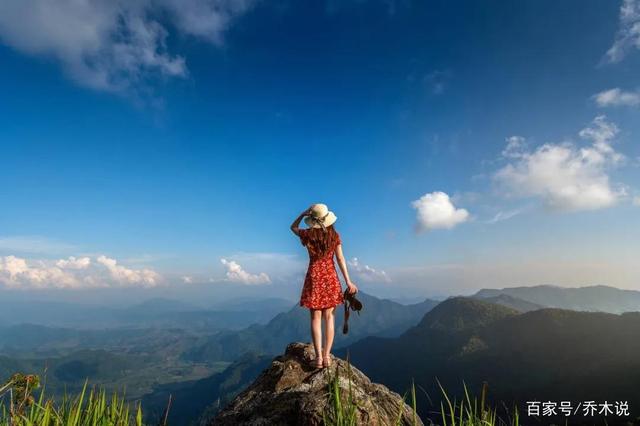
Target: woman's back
319	242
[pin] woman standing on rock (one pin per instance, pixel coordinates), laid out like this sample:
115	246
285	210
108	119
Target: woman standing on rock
322	290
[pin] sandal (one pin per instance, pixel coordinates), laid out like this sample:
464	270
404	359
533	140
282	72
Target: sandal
326	362
317	362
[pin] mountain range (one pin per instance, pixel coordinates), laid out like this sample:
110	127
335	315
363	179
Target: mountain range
380	317
157	312
542	355
197	401
526	342
597	298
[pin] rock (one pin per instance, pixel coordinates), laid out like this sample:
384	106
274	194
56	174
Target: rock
292	392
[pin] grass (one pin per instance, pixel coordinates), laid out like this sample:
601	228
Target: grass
92	407
19	407
343	410
470	412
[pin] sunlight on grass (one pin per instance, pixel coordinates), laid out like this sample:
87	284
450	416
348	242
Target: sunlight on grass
18	407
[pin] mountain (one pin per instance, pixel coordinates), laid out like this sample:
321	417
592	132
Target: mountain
595	298
379	317
512	302
291	392
161	305
255	304
192	400
541	355
459	313
69	372
37	341
155	312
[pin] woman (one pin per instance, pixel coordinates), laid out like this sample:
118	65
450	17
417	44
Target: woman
322	290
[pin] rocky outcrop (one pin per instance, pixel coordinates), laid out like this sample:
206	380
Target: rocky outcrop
292	392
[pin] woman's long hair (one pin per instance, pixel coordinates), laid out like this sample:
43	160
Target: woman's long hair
320	241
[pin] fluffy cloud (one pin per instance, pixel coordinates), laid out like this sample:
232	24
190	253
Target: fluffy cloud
113	44
74	263
125	276
367	273
72	273
565	176
628	36
436	211
235	273
617	97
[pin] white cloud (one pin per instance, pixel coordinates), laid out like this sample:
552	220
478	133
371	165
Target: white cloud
617	97
281	268
113	45
235	273
72	273
125	276
187	279
74	263
628	36
367	273
565	176
436	211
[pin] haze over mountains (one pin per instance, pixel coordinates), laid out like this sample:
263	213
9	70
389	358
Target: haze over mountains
159	351
156	312
203	357
380	317
598	298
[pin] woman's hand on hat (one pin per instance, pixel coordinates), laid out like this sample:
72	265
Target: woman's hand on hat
307	212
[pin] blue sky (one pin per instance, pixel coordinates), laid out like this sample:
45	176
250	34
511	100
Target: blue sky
461	145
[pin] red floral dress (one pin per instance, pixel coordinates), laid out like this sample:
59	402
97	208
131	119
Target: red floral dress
322	288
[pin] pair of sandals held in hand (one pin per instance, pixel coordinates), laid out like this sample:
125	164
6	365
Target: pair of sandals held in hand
350	304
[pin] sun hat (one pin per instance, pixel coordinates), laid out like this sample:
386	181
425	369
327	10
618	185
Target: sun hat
320	217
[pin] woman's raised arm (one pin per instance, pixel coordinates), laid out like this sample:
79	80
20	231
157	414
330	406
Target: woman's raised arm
295	226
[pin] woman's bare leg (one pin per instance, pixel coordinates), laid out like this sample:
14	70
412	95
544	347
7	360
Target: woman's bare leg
329	320
316	331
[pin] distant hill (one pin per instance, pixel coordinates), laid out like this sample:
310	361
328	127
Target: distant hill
69	372
162	305
254	304
380	317
37	341
203	398
512	302
157	312
595	298
459	313
545	354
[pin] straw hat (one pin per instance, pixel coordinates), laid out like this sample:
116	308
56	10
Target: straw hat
320	217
